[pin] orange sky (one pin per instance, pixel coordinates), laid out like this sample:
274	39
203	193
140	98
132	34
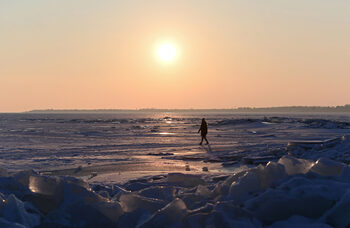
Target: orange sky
92	55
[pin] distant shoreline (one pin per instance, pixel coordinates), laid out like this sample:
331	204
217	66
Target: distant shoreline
282	109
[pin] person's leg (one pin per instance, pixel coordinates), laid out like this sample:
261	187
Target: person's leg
201	141
205	137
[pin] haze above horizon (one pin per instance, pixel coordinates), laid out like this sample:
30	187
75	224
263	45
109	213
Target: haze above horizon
105	55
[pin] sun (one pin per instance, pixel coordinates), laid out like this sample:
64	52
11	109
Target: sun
166	52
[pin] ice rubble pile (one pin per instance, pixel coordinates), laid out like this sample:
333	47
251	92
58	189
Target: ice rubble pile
310	123
288	193
336	149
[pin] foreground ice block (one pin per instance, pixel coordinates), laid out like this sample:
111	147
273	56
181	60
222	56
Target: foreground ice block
327	167
223	187
23	176
243	187
294	165
203	191
298	196
171	214
44	185
112	210
339	215
7	224
256	179
270	173
13	210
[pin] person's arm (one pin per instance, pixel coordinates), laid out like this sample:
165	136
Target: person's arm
200	129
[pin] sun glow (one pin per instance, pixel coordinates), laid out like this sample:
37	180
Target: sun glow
166	52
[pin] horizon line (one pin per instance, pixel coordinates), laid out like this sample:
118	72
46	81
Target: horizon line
346	106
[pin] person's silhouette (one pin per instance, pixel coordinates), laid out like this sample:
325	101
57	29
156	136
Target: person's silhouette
204	131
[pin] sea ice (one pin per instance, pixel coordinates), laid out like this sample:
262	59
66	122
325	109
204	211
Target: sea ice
171	214
13	210
270	173
339	215
203	191
131	201
44	185
300	222
247	184
186	180
327	167
166	193
276	194
6	224
294	165
3	172
112	210
290	192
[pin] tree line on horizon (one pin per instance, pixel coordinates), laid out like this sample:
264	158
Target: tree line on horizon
344	108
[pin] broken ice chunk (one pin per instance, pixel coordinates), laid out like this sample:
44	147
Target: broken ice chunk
203	191
245	185
111	210
327	167
131	202
339	215
44	185
14	211
172	213
270	173
6	224
294	165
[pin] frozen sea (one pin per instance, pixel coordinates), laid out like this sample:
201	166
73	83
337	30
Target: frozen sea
146	169
136	142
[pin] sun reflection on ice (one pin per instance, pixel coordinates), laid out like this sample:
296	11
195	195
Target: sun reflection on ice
166	133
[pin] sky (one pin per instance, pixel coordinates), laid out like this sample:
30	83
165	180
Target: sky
85	54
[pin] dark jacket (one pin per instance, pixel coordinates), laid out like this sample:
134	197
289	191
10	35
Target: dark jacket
204	128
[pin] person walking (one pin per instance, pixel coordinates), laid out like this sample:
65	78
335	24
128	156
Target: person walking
204	131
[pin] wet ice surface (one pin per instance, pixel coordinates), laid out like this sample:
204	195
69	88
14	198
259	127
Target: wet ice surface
147	170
